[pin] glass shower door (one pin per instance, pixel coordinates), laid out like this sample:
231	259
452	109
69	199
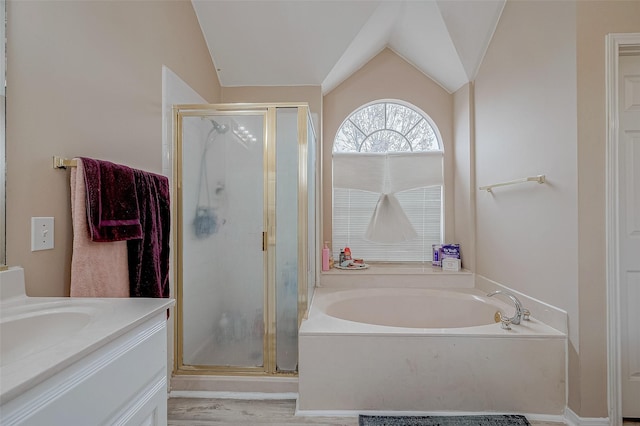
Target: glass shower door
222	257
286	248
242	236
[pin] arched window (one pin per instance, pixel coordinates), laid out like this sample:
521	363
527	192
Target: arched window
387	183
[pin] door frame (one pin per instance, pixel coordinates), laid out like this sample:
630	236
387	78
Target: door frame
614	42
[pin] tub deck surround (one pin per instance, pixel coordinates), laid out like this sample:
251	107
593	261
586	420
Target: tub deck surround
331	308
550	315
348	365
44	336
386	275
412	275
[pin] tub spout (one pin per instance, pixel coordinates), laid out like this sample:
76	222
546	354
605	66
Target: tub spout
520	311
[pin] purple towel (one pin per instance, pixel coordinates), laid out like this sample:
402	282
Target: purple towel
149	256
112	204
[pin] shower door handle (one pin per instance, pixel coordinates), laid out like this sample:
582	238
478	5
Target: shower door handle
264	240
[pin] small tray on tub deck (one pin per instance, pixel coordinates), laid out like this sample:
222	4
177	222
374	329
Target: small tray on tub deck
353	267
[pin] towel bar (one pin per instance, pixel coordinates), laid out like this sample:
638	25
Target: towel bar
539	179
63	163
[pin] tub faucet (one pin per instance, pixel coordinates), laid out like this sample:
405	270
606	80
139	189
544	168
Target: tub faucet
521	313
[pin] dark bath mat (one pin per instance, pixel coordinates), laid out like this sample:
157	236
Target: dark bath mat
491	420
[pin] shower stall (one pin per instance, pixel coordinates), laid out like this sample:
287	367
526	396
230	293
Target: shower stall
245	236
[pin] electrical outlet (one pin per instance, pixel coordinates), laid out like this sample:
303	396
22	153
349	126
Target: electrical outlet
41	233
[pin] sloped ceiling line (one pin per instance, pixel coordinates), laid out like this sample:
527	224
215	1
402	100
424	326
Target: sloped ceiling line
322	43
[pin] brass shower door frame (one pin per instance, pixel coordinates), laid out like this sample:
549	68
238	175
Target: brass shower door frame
269	112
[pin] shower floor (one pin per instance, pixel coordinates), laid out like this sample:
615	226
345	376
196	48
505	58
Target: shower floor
232	353
243	354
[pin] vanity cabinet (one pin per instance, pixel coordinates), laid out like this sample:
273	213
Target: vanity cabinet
123	382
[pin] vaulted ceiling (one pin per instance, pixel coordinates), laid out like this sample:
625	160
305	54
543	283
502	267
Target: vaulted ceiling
323	42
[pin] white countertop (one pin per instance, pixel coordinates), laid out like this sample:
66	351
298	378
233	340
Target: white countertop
92	323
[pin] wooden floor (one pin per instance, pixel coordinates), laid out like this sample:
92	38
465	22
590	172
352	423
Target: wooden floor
210	412
215	412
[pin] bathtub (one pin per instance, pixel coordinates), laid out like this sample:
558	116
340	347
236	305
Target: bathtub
408	308
425	351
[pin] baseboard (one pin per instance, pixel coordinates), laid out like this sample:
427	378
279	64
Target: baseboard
546	418
552	418
572	419
232	395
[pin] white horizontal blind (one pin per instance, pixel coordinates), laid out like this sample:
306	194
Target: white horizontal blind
352	210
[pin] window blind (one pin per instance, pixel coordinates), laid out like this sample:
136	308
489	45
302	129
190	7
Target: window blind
352	209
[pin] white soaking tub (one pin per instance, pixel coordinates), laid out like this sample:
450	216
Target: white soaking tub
424	351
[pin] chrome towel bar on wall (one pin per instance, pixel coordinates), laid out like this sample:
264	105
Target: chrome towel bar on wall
539	179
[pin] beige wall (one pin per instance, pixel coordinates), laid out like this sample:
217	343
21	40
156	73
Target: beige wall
525	112
270	94
595	19
526	125
387	76
540	109
464	174
85	79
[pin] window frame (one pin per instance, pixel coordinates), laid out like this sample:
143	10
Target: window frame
438	139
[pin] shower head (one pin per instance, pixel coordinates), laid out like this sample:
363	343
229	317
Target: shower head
220	128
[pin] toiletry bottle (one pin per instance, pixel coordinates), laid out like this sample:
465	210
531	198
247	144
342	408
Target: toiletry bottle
325	257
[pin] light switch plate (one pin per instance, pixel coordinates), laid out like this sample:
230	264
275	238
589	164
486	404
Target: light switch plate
41	233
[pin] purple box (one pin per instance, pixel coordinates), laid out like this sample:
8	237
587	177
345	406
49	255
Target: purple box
450	251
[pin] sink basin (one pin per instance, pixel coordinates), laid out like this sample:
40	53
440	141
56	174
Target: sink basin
24	335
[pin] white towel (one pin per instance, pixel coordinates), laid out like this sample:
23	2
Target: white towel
97	269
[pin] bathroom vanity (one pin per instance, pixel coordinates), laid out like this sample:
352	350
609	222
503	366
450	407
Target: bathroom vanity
81	361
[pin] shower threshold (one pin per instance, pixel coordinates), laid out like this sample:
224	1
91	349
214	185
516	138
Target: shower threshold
272	384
